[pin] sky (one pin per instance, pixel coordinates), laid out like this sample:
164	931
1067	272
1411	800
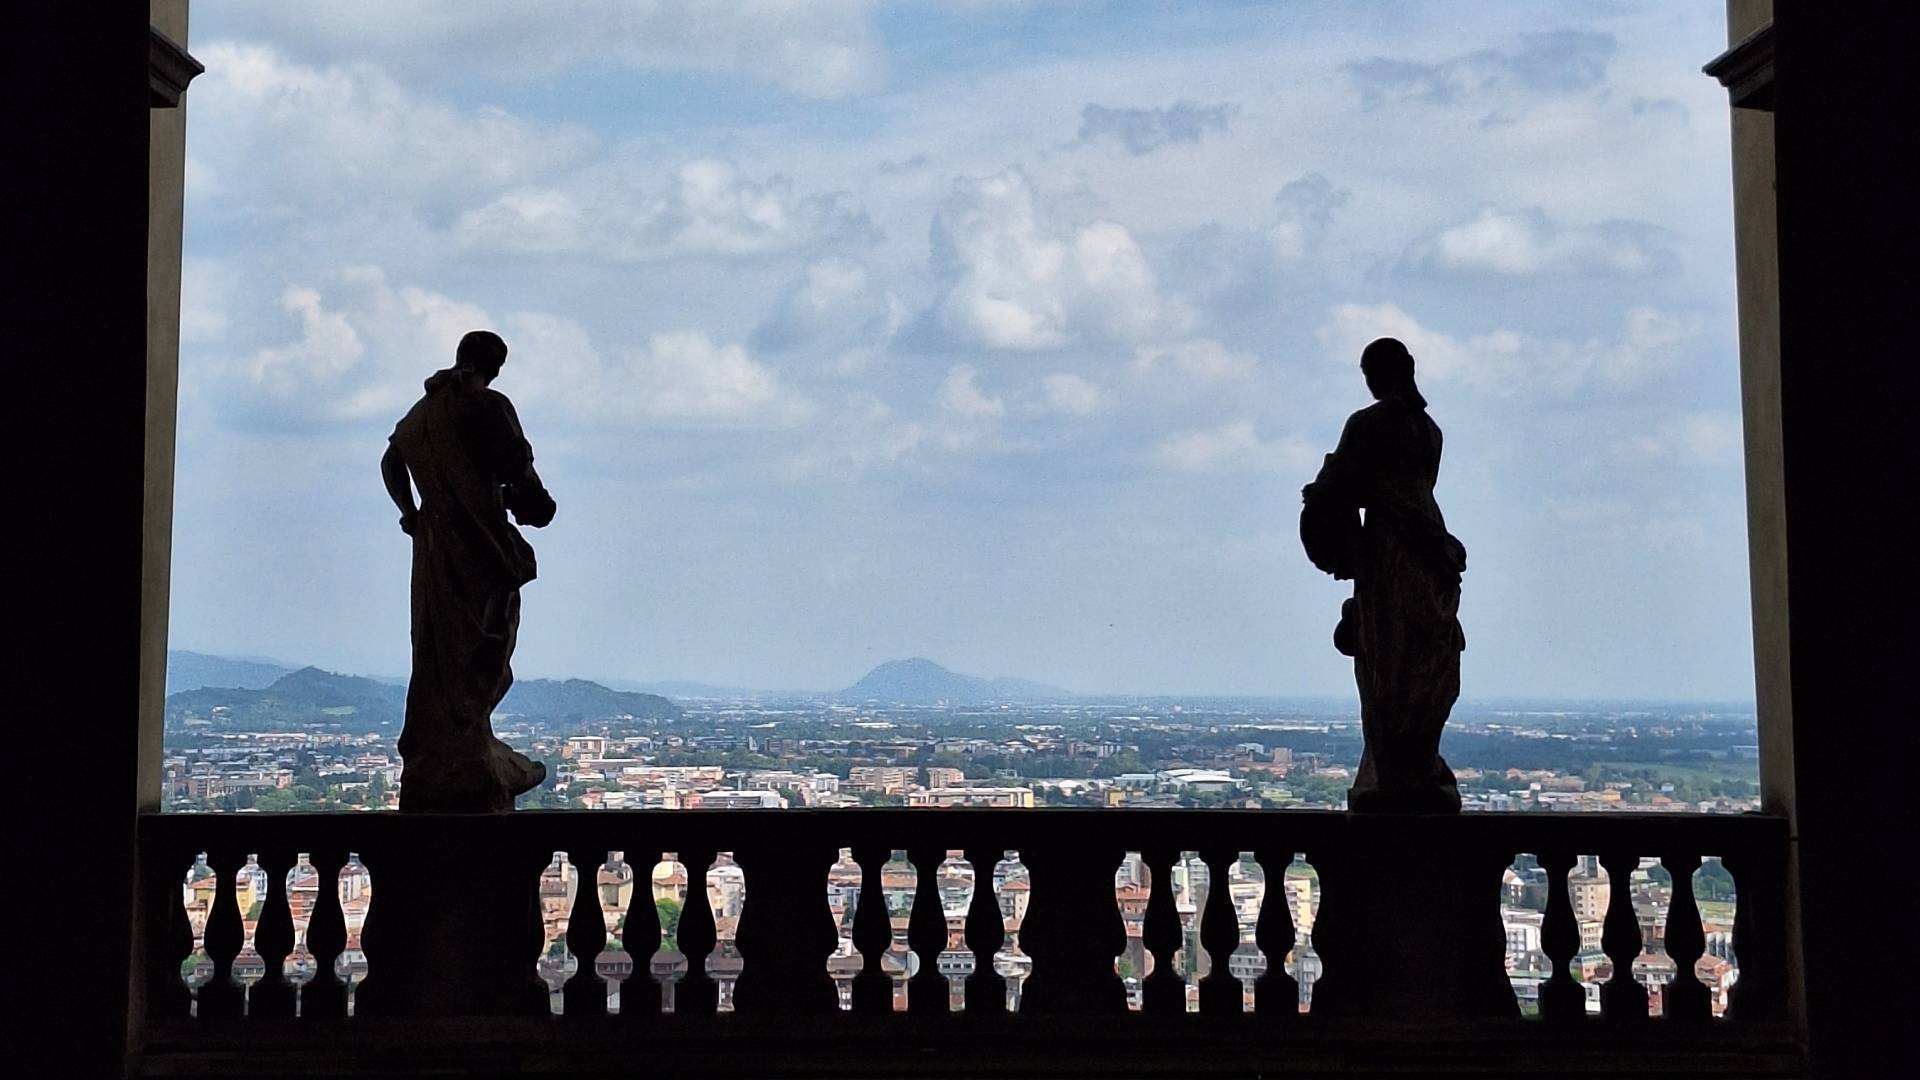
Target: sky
999	333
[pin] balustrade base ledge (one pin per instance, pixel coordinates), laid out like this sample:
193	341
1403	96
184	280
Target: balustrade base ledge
882	1046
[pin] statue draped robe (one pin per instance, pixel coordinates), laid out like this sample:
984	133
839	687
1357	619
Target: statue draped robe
464	449
1401	627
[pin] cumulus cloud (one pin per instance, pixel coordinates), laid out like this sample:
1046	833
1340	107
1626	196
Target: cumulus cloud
814	48
205	286
960	394
706	208
1012	276
1232	446
1560	61
1235	271
1201	359
1142	131
861	433
1526	242
683	376
363	348
1702	438
835	303
1072	395
327	348
1303	213
277	132
1618	522
360	350
1505	363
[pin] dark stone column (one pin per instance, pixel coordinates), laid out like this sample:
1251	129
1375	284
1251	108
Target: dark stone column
1848	388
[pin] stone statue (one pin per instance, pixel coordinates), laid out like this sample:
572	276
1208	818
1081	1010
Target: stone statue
462	447
1401	626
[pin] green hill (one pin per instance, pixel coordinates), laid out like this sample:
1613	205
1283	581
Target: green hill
310	699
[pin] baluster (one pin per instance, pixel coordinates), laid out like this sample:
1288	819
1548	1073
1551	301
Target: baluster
250	895
727	899
1301	884
1717	969
899	880
197	894
558	884
1622	999
303	895
1685	998
1012	892
1590	897
1562	1000
1132	889
614	964
355	887
845	963
1247	890
669	886
1191	883
1653	969
955	883
1523	906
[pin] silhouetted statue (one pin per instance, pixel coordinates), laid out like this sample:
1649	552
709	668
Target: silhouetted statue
1401	627
462	446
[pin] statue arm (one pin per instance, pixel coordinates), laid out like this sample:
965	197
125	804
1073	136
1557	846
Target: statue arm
393	469
526	495
1342	474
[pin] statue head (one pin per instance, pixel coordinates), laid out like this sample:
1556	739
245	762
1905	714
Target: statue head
481	352
1388	367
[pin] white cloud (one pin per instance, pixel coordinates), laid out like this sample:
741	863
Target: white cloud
1015	278
1504	363
681	375
1526	242
1070	394
835	303
1201	359
1585	510
205	285
1703	438
1619	523
362	349
1234	445
962	396
1142	131
328	347
1555	62
863	433
365	347
706	208
276	131
814	48
1303	212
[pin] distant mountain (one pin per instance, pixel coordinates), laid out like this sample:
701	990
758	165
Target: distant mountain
923	682
310	698
578	699
192	670
682	688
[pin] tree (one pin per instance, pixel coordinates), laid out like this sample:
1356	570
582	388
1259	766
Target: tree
667	910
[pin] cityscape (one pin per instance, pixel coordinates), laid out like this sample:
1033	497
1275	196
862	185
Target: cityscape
312	741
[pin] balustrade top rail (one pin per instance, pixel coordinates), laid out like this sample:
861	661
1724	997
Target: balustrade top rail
469	914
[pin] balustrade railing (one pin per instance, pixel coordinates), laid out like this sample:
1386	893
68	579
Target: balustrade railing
318	934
